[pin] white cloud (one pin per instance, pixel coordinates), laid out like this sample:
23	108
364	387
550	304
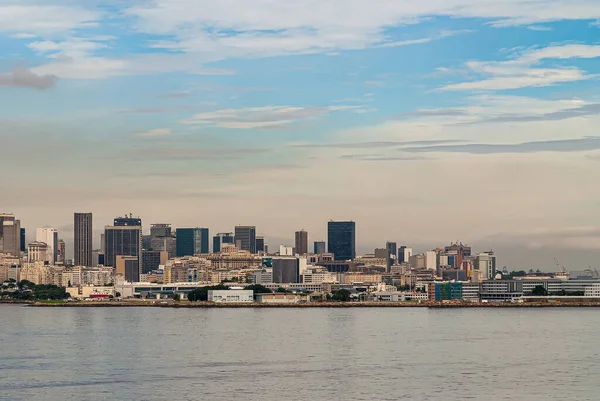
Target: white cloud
521	71
23	36
441	35
44	19
267	117
212	71
154	133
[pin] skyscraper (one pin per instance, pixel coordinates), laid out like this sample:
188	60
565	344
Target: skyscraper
392	253
160	230
260	244
128	221
10	234
301	242
123	240
220	239
82	246
341	239
50	237
320	247
23	242
286	270
61	254
245	238
192	241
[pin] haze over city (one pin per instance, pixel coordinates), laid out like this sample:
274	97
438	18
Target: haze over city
424	122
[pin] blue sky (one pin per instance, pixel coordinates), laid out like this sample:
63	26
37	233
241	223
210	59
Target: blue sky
423	115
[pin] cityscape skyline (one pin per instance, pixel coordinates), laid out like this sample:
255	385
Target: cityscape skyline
512	255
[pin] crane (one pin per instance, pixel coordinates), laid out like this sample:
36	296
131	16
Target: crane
561	267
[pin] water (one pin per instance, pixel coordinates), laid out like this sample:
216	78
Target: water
298	354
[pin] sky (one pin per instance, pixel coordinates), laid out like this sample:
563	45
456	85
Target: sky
424	121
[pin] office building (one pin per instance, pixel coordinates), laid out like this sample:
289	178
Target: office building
485	263
301	242
151	260
61	256
220	239
445	291
192	241
341	239
408	252
261	247
37	252
82	245
128	221
461	251
232	295
23	242
431	261
50	237
245	238
286	250
160	230
392	253
123	241
10	234
128	267
320	247
286	270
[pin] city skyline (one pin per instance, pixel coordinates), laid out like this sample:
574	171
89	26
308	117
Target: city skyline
513	256
432	122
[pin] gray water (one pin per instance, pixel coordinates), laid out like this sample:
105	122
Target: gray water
298	354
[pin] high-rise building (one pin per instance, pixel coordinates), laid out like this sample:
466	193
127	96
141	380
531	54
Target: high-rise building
408	252
50	237
128	221
151	260
486	264
160	230
401	256
432	261
462	251
61	256
82	245
128	267
341	239
10	234
23	241
192	241
245	238
37	252
123	240
320	247
392	253
260	244
220	239
286	270
301	242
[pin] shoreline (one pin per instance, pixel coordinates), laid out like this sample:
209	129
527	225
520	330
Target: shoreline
211	305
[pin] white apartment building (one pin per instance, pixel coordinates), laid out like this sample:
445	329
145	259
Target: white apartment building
49	236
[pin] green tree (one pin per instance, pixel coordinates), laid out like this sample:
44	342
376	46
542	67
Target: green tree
201	294
342	295
117	294
259	289
539	291
176	297
281	290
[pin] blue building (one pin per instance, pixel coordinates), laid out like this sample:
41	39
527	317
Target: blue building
341	239
445	291
192	241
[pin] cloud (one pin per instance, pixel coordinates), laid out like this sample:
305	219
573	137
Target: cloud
581	111
22	77
440	35
540	28
183	154
562	145
45	19
373	145
261	117
23	36
154	133
521	71
383	158
213	71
